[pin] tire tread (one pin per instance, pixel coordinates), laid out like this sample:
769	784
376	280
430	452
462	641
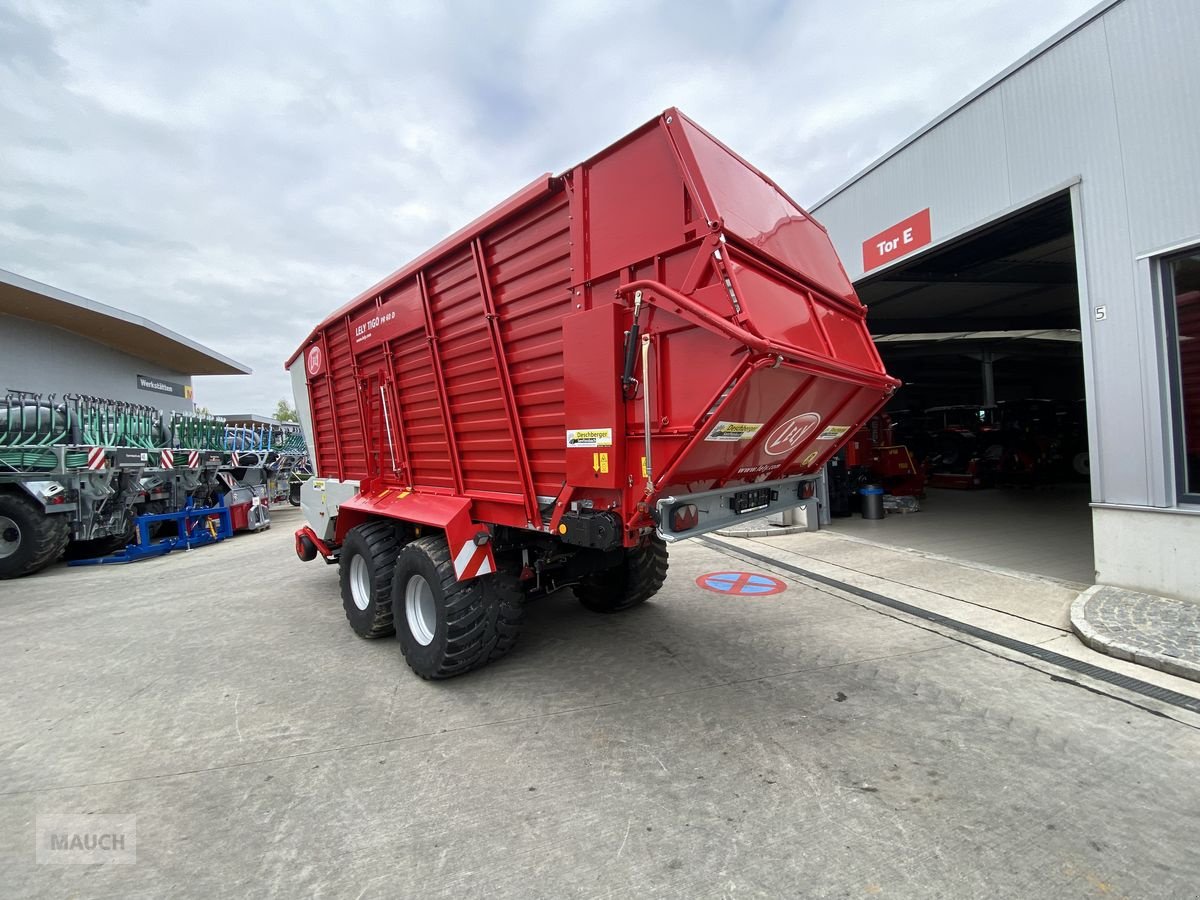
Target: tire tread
483	614
628	585
382	546
50	534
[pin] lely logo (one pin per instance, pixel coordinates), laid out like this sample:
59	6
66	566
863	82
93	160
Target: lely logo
787	435
314	360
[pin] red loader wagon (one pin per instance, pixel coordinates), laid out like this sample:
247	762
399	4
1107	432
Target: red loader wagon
650	346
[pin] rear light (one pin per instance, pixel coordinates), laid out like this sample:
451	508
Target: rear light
685	517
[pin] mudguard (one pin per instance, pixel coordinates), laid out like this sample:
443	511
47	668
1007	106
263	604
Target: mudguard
470	542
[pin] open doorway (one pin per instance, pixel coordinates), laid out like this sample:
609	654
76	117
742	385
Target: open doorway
985	333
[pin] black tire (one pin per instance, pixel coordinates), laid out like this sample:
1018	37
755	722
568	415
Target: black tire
294	494
467	624
306	549
376	546
629	584
29	539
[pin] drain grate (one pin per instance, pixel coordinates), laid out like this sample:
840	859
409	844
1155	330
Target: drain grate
1165	695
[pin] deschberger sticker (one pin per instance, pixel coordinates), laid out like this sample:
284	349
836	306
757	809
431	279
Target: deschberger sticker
589	437
833	432
734	431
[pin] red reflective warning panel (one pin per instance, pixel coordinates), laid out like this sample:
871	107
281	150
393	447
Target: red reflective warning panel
746	584
892	243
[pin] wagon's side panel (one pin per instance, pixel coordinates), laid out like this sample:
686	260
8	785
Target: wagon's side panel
351	441
481	437
466	357
323	439
528	261
426	447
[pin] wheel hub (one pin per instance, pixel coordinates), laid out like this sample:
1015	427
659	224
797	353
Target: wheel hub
10	537
420	610
360	582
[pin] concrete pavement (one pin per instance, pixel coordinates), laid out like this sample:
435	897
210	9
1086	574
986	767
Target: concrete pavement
793	745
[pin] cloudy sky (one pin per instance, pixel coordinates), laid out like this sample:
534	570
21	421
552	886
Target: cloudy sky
235	171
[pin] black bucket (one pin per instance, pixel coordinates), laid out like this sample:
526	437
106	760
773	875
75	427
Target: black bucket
872	502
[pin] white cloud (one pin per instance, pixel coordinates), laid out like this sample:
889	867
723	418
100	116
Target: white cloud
236	171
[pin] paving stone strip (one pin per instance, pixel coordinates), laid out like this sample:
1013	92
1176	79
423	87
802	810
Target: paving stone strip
1158	632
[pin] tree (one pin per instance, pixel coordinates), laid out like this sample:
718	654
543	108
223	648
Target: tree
285	412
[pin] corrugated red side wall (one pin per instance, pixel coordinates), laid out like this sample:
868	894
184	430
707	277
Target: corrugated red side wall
526	261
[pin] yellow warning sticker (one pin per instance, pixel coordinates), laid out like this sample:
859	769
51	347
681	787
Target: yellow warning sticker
833	432
810	459
600	463
644	467
734	431
589	437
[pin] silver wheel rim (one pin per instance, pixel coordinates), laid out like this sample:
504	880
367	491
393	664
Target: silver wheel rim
360	582
10	537
420	610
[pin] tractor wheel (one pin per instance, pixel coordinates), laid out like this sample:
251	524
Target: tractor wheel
632	582
445	626
367	560
29	539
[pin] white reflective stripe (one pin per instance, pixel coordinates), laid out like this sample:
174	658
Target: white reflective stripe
486	566
464	558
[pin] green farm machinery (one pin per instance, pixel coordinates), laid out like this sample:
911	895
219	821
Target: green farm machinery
76	471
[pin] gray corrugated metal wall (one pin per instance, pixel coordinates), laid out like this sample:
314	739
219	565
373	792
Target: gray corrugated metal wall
45	359
1114	105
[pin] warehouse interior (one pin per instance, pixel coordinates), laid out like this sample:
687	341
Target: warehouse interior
984	331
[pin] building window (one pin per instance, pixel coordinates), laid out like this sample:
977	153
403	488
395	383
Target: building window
1182	280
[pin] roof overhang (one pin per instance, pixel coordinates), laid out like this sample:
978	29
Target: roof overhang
139	337
1062	335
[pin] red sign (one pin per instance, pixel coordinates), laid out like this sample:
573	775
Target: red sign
787	435
893	243
379	324
313	360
